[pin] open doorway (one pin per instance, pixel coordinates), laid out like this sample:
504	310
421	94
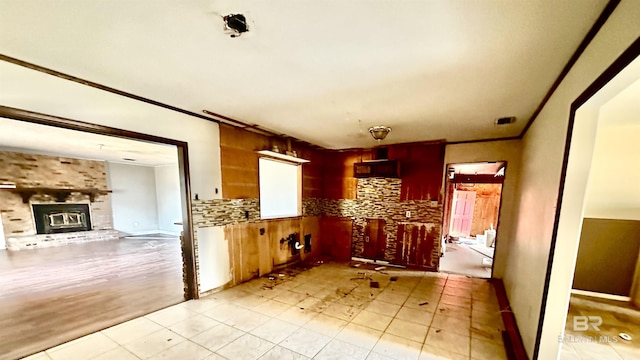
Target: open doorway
89	225
473	193
603	313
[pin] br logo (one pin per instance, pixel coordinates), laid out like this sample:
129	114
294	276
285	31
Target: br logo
582	323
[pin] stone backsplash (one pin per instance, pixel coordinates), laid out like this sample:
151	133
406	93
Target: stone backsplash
377	198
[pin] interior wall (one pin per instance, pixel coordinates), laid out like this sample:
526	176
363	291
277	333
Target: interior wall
542	158
133	199
607	256
3	244
168	198
503	150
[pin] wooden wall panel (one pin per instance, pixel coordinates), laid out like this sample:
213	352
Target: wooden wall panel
336	237
421	167
239	163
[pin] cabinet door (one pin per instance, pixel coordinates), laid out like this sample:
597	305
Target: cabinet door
374	239
336	238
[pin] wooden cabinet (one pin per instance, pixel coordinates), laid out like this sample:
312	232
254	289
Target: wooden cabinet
336	237
416	245
377	168
375	239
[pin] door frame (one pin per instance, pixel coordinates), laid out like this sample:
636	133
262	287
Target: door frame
446	213
188	247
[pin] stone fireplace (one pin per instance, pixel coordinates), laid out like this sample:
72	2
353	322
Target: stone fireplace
57	201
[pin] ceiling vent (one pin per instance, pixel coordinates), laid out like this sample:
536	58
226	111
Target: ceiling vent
505	120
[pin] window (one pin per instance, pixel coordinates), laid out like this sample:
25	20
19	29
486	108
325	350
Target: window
280	189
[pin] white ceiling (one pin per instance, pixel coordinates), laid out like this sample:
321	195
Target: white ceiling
20	136
321	71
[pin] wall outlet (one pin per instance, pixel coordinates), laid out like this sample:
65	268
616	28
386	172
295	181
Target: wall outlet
434	203
408	213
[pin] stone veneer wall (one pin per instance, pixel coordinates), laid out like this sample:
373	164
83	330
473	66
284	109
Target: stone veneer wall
29	170
377	198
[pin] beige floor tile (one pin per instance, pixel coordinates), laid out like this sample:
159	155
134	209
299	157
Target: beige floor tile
217	337
246	320
359	335
383	308
408	330
455	324
250	301
271	308
297	316
275	330
455	300
430	352
305	342
184	350
132	330
486	333
171	315
445	339
418	316
312	304
487	306
290	297
372	320
453	310
223	312
280	353
397	347
214	356
154	343
326	325
481	349
201	305
193	326
118	353
340	311
337	349
422	303
246	347
376	356
83	348
393	297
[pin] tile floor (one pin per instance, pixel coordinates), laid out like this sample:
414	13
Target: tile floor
461	259
326	312
617	318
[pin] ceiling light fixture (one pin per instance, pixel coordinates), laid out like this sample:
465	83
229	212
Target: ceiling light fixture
379	132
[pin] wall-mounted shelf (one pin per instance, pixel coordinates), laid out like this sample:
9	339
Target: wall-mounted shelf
60	194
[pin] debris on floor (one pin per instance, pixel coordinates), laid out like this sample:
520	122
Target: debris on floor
380	268
625	336
393	278
424	303
374	284
357	265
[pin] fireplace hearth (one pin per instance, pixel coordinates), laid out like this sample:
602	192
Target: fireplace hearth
61	218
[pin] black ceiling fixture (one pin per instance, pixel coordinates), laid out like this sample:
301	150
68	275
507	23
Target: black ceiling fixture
237	23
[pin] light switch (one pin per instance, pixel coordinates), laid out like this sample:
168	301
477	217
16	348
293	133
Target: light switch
408	213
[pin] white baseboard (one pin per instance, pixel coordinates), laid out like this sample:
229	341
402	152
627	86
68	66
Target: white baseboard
600	295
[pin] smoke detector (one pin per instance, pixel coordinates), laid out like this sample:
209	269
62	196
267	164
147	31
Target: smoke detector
235	24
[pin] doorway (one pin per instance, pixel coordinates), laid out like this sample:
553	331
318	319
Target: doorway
473	194
101	273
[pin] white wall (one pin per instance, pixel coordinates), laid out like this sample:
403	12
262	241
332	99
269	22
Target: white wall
133	197
212	245
495	151
542	157
3	243
168	197
613	191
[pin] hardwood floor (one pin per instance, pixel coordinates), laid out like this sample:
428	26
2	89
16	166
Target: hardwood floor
52	295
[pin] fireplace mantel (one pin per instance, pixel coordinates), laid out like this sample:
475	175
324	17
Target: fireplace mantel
60	194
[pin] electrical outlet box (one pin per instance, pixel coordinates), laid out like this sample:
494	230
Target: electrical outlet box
408	213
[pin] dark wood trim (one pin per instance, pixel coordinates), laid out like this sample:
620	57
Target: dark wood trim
55	121
616	67
477	179
516	350
608	10
109	89
483	140
183	164
495	251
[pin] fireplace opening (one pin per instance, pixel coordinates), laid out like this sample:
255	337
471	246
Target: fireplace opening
61	218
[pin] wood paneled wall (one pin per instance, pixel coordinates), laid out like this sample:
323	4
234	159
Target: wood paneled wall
239	162
420	170
253	254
